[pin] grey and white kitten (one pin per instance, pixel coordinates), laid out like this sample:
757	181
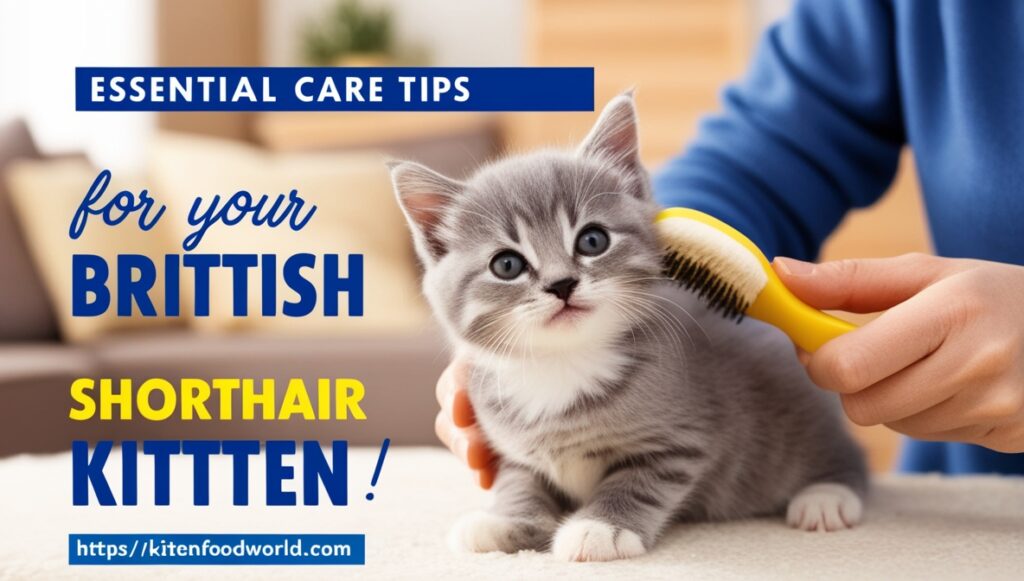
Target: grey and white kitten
617	403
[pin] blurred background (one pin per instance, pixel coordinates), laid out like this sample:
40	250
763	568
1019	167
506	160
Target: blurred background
678	53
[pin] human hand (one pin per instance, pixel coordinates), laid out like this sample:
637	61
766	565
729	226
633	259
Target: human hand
944	362
456	427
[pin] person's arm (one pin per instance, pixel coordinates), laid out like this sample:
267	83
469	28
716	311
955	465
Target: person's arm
813	130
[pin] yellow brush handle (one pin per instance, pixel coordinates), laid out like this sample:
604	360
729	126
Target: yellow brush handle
808	327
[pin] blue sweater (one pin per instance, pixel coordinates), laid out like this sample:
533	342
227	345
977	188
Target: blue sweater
815	128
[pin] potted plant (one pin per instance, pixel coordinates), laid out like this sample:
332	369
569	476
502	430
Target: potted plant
351	35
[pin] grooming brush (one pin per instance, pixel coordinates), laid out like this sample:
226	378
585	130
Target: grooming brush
726	269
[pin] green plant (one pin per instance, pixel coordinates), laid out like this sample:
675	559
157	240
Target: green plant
350	28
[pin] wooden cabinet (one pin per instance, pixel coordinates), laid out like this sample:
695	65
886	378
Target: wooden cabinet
676	53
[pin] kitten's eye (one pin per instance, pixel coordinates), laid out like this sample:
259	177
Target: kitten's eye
508	265
593	240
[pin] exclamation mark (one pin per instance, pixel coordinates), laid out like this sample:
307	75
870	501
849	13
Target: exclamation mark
380	464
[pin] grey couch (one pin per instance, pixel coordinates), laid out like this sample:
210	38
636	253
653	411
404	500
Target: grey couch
36	368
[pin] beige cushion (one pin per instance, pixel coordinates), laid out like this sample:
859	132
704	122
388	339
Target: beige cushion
357	213
45	195
25	312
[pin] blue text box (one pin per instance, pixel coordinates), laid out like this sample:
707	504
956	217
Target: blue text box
216	549
285	88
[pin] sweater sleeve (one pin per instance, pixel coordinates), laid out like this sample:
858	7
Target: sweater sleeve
812	130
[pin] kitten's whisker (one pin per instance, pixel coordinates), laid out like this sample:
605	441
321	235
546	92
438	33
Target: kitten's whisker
632	315
641	303
667	300
664	315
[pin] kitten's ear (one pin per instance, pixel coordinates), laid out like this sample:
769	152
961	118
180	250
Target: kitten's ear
424	196
614	138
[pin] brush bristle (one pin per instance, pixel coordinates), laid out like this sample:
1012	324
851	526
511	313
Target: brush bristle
711	264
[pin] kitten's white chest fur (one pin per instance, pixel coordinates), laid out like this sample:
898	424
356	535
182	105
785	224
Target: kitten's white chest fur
576	475
536	387
542	385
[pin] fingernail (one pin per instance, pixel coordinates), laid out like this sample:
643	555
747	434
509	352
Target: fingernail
485	479
461	416
794	267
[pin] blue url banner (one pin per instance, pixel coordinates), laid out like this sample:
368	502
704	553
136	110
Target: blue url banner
334	89
220	549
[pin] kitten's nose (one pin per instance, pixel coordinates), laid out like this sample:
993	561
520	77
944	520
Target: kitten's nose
563	288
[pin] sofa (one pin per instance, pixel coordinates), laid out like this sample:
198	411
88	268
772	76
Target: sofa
37	365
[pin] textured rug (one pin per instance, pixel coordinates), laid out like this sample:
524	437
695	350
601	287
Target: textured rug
916	528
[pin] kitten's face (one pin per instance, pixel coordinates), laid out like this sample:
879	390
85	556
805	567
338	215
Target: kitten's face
543	252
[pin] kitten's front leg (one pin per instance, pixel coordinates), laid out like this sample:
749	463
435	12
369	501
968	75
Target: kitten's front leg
524	516
631	506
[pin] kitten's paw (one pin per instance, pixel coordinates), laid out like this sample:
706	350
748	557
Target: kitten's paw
587	539
485	532
825	507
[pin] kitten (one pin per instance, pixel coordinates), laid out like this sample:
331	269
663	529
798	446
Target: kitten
617	402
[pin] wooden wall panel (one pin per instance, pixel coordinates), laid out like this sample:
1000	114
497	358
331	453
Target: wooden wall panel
196	33
677	54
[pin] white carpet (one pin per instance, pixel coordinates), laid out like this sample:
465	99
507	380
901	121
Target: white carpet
916	528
